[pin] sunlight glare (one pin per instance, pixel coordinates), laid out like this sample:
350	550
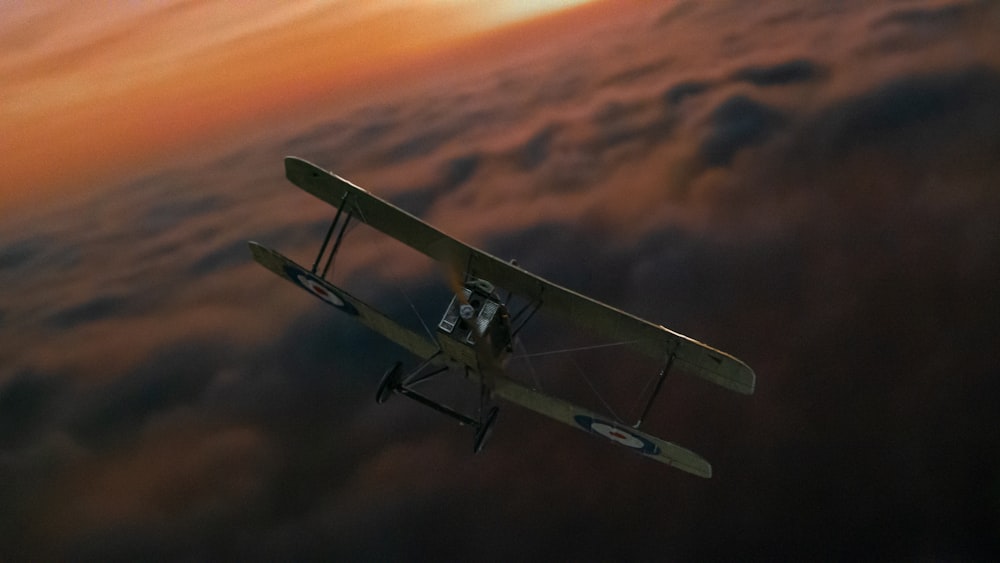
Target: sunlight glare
498	13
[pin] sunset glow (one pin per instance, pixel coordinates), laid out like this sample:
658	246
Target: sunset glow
96	89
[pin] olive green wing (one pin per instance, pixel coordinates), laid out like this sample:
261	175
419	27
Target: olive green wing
344	301
653	340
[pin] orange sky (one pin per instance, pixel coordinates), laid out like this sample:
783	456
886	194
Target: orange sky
90	91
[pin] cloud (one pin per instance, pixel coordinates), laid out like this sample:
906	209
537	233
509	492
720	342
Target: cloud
18	253
910	103
833	227
920	28
638	72
737	123
946	14
676	94
24	401
101	307
162	494
789	72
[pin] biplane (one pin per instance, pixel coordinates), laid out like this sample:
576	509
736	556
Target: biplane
477	332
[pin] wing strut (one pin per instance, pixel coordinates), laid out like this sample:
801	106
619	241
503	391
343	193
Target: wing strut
531	309
656	390
336	243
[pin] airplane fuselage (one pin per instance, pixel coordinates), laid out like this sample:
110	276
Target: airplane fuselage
480	316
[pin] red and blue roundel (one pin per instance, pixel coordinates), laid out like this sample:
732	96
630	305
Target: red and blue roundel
319	288
617	434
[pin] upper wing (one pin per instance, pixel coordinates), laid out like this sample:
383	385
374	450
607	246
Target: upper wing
653	340
344	301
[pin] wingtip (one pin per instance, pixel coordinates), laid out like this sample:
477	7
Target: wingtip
751	378
703	469
295	166
699	467
293	163
743	380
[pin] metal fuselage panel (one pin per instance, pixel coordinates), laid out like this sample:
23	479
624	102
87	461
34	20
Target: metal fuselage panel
457	336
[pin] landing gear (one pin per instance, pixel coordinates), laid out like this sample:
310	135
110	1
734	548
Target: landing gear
390	382
485	430
393	382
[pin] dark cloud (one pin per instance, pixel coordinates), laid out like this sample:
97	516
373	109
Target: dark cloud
910	103
538	148
737	123
677	93
20	252
40	251
23	402
790	72
175	376
918	28
233	254
100	307
947	14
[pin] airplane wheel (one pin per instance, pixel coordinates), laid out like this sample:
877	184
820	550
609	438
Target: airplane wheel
390	381
485	430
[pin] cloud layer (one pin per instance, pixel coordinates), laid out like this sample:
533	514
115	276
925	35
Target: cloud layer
810	188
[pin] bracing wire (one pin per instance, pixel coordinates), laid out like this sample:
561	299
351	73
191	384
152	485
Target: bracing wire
527	357
414	309
531	368
642	392
580	349
399	287
594	389
396	282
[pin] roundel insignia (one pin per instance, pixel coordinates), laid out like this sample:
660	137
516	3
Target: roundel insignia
617	434
314	285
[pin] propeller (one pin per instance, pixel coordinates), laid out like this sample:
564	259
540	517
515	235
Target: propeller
489	368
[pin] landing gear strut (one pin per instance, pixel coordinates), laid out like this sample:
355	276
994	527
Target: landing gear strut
485	430
393	382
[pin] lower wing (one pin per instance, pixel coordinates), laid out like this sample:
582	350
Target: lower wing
503	387
579	417
333	295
